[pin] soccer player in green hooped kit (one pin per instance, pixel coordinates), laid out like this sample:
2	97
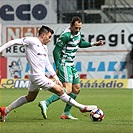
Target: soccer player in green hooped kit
64	53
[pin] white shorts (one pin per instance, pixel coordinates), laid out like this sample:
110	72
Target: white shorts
40	81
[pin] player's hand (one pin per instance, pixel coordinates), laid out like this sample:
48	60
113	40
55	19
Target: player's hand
58	82
99	43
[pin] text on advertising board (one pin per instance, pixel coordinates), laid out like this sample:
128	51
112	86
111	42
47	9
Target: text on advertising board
84	83
23	12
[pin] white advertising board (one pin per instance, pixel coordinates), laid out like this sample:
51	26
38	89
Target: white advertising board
118	37
109	61
92	67
28	11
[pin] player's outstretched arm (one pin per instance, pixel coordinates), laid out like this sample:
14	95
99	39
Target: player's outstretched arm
10	43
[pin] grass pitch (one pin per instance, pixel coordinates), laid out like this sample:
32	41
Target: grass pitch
116	104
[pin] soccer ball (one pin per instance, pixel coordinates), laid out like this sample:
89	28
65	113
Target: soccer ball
97	115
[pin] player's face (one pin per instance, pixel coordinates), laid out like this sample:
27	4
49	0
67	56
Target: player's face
76	27
47	38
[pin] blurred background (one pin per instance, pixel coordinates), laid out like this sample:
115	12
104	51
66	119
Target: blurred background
91	11
109	20
95	11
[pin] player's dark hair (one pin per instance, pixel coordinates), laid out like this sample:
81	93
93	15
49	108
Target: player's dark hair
74	19
45	29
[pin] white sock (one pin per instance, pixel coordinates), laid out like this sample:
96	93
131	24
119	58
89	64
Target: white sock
67	99
19	102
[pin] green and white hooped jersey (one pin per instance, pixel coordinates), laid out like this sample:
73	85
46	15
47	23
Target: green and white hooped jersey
70	45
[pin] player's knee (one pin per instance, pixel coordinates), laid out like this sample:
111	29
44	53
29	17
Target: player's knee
76	90
30	99
69	91
60	92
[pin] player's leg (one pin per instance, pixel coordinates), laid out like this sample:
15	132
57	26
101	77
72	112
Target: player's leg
75	91
62	74
66	114
67	99
22	100
19	102
58	90
45	103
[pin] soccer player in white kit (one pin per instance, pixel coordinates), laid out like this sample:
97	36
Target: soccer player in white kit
37	57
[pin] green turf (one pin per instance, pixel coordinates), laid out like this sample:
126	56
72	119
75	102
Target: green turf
116	104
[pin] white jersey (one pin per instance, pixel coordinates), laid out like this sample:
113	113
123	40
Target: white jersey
36	55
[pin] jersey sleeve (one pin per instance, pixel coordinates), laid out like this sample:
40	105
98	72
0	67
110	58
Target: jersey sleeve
12	42
84	44
62	41
56	55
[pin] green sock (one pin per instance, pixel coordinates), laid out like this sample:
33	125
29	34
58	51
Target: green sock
52	99
68	107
